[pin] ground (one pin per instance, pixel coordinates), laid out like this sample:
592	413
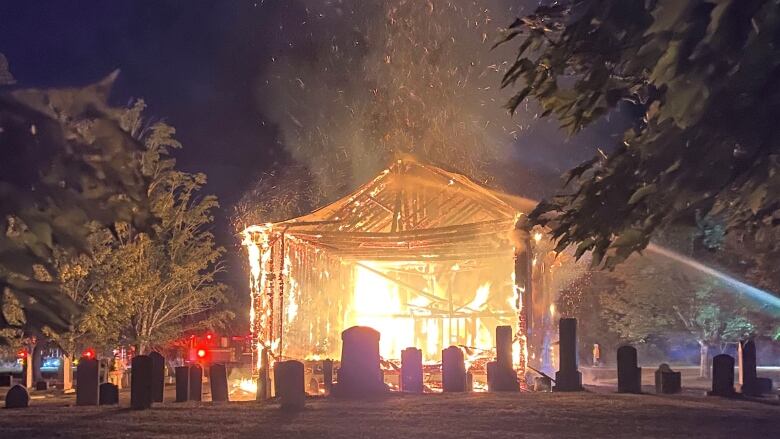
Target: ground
595	413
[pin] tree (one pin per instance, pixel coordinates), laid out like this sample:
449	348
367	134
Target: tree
65	163
145	288
701	78
656	296
173	287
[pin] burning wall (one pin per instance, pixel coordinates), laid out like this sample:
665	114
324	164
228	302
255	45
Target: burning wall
425	256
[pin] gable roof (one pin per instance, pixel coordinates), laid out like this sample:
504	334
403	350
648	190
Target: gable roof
410	210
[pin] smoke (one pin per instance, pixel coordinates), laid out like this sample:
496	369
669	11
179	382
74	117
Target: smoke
360	82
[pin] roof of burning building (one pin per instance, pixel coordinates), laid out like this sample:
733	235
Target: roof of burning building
411	210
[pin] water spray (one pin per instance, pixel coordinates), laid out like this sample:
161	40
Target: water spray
767	300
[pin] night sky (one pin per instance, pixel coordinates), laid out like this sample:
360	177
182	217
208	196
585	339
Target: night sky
196	63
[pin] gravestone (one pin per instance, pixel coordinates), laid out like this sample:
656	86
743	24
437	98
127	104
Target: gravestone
750	383
196	383
182	383
360	373
263	378
667	381
291	387
109	394
542	384
629	375
141	383
27	371
17	398
568	378
501	374
722	376
453	370
66	373
158	376
87	381
41	385
411	370
327	375
218	383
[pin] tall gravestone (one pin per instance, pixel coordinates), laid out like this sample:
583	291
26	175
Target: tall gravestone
722	376
66	373
141	382
453	370
182	383
667	381
749	381
263	378
158	376
360	373
27	371
17	398
196	383
327	375
87	392
411	370
501	373
629	374
109	394
218	383
568	378
291	387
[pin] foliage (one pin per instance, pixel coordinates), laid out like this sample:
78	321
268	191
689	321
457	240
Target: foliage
65	163
702	78
147	288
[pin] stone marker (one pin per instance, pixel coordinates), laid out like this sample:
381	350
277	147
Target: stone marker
453	370
667	381
17	398
542	384
87	381
327	375
66	373
291	391
750	383
263	378
722	376
196	383
141	383
158	376
629	375
41	385
411	370
27	371
182	383
109	394
218	383
568	378
501	373
360	373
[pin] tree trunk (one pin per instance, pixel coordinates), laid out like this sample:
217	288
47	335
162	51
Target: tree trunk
37	360
704	360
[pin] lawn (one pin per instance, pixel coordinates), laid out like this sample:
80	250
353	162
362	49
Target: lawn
478	415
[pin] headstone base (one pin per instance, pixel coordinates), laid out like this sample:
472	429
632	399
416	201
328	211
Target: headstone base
568	381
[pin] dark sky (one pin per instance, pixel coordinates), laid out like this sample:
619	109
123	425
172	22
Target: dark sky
196	63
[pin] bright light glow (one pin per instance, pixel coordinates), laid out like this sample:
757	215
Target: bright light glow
377	304
201	353
537	236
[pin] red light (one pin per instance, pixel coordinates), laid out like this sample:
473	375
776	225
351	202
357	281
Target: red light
88	353
201	353
21	354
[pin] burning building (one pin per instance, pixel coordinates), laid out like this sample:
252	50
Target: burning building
427	257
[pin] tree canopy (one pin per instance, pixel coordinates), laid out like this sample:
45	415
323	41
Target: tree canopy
66	162
702	77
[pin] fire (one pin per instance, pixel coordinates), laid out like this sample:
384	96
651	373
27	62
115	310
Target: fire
377	304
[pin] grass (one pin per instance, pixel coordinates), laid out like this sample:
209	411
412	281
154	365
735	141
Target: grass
477	415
